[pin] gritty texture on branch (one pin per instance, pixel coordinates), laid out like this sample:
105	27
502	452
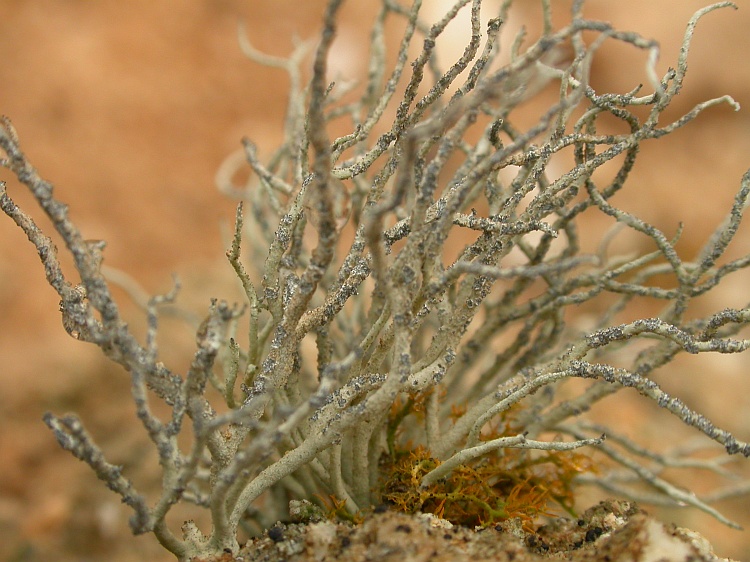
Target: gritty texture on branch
456	357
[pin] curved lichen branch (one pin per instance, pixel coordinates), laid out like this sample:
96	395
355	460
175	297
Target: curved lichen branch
72	437
515	442
90	314
417	287
667	491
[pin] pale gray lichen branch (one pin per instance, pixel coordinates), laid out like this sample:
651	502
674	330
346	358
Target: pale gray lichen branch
430	254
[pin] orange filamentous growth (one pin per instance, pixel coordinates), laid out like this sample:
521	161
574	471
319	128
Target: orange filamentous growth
512	483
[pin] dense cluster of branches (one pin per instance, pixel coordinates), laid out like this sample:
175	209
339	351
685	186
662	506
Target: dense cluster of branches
360	302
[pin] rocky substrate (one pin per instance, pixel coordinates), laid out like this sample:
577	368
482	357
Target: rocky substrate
611	531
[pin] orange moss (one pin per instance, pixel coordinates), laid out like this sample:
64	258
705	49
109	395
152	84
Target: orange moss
505	484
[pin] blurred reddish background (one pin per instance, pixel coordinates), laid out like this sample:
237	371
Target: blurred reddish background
130	107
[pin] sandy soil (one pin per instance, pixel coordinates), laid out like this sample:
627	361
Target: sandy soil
129	108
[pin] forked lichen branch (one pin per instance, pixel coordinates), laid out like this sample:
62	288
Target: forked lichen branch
373	360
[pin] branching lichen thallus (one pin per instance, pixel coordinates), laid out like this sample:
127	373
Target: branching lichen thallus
411	334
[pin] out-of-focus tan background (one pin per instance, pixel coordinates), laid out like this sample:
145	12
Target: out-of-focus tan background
129	108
